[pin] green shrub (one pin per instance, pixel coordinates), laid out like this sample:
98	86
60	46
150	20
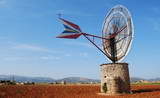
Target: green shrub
105	87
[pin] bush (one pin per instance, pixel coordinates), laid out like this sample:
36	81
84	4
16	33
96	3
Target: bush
105	87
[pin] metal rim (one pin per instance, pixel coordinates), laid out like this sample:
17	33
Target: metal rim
121	13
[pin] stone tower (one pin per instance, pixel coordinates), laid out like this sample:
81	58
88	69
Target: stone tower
115	78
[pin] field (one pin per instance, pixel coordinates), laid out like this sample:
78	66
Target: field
73	91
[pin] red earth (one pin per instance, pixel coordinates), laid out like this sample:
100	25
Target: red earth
73	91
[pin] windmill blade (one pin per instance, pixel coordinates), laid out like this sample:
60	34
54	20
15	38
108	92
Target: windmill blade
117	32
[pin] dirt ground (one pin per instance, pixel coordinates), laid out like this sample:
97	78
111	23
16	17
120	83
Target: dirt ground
73	91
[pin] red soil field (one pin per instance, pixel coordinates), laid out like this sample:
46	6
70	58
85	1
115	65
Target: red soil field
73	91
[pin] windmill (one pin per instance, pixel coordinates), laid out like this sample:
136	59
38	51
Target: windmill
117	36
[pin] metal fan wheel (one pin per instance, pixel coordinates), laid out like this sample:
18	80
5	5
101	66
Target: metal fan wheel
118	29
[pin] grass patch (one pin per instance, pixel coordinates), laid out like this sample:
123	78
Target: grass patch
145	83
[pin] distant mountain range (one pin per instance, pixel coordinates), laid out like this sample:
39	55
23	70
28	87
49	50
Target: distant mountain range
68	79
78	79
24	78
155	79
134	79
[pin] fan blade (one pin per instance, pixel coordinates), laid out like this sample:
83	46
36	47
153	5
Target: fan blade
116	33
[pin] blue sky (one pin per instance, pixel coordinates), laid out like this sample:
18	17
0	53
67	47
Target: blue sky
28	45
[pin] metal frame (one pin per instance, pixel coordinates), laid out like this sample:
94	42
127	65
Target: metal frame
111	53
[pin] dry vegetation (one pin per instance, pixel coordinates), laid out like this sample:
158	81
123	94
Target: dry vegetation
72	91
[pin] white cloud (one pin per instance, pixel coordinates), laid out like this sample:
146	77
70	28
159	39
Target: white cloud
32	48
80	44
49	58
13	58
19	58
29	47
84	54
68	55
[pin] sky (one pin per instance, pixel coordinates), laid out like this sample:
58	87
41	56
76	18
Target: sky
29	47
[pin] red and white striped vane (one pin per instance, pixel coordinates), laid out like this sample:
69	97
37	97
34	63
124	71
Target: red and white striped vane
73	31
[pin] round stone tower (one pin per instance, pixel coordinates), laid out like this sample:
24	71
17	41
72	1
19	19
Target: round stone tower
115	78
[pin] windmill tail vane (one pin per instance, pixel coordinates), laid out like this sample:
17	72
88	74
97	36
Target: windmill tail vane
73	31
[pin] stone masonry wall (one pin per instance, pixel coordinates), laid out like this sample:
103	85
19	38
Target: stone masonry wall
115	78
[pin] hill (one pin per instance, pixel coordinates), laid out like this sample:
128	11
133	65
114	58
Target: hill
24	78
67	79
78	79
